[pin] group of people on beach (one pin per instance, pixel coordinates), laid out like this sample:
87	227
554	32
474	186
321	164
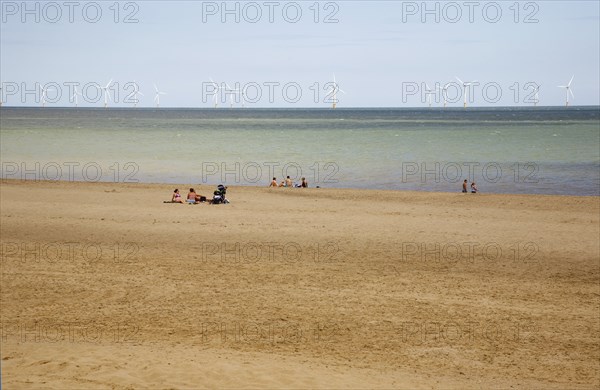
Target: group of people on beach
192	197
473	187
288	183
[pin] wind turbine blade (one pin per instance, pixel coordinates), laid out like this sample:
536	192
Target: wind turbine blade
570	90
107	85
459	80
155	88
571	80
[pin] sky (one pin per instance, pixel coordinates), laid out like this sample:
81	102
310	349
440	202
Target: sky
287	53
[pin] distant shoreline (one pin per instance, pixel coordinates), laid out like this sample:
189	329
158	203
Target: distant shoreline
210	187
435	108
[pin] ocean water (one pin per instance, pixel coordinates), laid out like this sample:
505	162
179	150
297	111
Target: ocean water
544	150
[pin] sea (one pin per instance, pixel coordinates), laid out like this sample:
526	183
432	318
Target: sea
532	150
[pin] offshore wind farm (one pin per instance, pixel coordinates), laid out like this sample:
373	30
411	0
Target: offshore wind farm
252	94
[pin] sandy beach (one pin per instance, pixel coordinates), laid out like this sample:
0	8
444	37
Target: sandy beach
105	286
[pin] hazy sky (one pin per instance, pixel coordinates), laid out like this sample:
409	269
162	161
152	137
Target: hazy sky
283	53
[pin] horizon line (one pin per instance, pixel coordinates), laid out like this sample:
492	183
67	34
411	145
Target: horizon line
298	108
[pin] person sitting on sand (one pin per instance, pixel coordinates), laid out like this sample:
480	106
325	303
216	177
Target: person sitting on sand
473	188
193	197
465	186
288	182
176	198
304	183
282	184
273	182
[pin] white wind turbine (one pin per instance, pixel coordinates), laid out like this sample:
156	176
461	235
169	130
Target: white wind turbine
443	90
333	92
106	93
44	90
230	91
216	93
74	97
157	95
465	85
428	93
568	90
536	96
242	93
135	94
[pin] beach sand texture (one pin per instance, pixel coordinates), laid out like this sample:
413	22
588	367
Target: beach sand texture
105	286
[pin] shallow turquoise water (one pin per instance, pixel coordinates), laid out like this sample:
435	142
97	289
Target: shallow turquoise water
538	151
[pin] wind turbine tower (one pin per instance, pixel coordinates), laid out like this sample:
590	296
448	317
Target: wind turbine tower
157	96
568	90
465	85
106	95
333	92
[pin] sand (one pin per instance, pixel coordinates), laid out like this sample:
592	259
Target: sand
104	286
